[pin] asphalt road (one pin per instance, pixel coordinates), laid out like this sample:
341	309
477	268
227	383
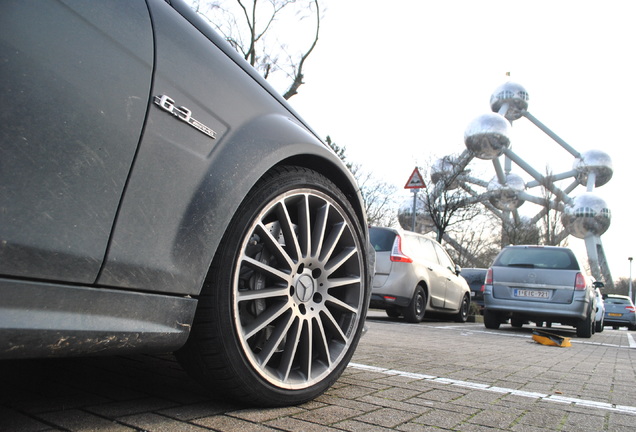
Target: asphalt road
433	376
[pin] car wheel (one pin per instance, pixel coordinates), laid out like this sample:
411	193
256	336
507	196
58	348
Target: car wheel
491	320
585	327
462	315
392	313
600	326
414	312
284	304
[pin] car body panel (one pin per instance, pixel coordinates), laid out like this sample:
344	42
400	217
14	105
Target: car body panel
537	283
105	191
475	277
67	146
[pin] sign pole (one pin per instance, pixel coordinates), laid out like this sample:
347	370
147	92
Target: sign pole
414	208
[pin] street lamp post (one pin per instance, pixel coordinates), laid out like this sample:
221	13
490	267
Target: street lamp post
630	277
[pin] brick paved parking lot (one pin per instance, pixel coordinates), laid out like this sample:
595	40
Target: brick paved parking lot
435	376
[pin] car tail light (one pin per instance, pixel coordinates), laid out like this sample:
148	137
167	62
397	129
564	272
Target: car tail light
488	280
396	253
579	282
631	309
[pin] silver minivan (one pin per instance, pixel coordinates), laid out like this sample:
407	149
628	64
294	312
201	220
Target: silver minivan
539	284
415	275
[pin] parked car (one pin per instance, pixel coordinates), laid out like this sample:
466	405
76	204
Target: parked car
414	275
158	195
619	311
539	284
476	277
600	307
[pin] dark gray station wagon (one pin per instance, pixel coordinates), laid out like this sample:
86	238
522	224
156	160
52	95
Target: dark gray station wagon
157	195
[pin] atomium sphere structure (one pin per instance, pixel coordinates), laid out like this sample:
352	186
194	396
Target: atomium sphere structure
423	221
443	168
587	215
514	96
487	136
506	197
593	161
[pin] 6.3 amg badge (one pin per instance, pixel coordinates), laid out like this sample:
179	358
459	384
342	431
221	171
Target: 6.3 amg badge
183	114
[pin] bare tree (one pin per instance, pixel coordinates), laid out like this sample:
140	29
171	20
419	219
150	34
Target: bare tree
479	242
447	205
267	34
379	198
551	217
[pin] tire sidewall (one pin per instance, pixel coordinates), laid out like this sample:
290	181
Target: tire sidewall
276	183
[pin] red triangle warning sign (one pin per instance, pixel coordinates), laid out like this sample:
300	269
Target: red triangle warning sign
415	181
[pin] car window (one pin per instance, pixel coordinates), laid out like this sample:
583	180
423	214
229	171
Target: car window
443	257
548	258
428	250
611	300
382	240
473	277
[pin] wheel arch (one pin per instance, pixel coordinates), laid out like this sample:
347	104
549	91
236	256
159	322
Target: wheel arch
185	230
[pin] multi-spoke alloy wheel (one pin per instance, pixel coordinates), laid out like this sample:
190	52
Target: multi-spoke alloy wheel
290	290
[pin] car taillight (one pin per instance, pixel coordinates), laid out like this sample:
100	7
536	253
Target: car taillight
488	280
631	309
396	253
579	282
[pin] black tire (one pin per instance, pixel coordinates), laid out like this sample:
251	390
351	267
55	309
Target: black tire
491	320
284	304
392	312
516	322
600	326
462	315
414	312
585	327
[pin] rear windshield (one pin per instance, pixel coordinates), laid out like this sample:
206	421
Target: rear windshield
547	258
613	300
473	276
381	239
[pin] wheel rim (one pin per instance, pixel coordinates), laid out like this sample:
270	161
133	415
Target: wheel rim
419	305
298	291
465	306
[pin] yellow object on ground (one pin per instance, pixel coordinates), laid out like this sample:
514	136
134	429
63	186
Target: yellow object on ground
546	338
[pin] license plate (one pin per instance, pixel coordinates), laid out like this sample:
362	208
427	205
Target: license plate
531	293
615	314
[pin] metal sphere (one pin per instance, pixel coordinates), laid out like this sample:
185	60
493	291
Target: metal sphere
423	221
487	136
443	169
512	94
586	215
594	161
506	197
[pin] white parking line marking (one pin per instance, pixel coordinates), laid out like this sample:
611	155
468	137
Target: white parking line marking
630	339
625	409
632	343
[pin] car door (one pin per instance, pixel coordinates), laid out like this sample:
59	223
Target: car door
436	276
453	294
75	80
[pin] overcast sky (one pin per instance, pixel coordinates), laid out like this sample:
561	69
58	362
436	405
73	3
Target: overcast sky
398	82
